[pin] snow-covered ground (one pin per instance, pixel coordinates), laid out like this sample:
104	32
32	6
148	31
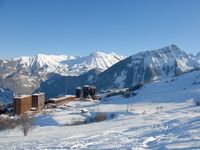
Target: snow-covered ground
163	115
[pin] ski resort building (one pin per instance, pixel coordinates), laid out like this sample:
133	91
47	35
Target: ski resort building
92	91
86	89
38	101
62	100
89	91
78	92
22	104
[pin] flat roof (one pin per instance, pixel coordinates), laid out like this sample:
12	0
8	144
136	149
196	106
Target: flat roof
22	96
37	94
60	98
86	86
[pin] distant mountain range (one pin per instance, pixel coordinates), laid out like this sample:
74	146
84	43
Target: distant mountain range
143	67
146	67
23	75
59	75
41	64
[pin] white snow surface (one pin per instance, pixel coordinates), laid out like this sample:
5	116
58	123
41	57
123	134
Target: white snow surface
96	60
68	65
120	79
157	64
163	115
170	55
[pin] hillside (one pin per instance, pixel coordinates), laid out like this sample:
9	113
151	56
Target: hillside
58	85
96	60
23	75
147	66
41	64
143	67
163	115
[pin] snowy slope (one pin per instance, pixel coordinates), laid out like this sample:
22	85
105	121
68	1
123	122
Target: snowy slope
7	67
144	67
43	64
197	56
67	65
148	66
6	96
24	74
163	115
97	60
57	85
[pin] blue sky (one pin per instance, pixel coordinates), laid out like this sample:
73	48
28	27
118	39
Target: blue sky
78	27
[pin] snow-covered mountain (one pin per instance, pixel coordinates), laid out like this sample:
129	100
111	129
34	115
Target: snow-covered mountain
57	85
62	64
6	96
7	67
23	75
143	67
146	67
97	60
197	56
43	64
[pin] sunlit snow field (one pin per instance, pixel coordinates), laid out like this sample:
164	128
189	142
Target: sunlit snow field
163	115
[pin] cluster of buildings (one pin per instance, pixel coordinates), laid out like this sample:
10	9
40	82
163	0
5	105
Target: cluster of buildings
36	102
87	92
24	103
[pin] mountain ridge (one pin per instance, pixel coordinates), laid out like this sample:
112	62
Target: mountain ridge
143	67
148	66
23	75
42	64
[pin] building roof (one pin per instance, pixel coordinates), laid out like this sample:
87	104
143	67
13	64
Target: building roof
38	94
22	96
86	86
61	98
